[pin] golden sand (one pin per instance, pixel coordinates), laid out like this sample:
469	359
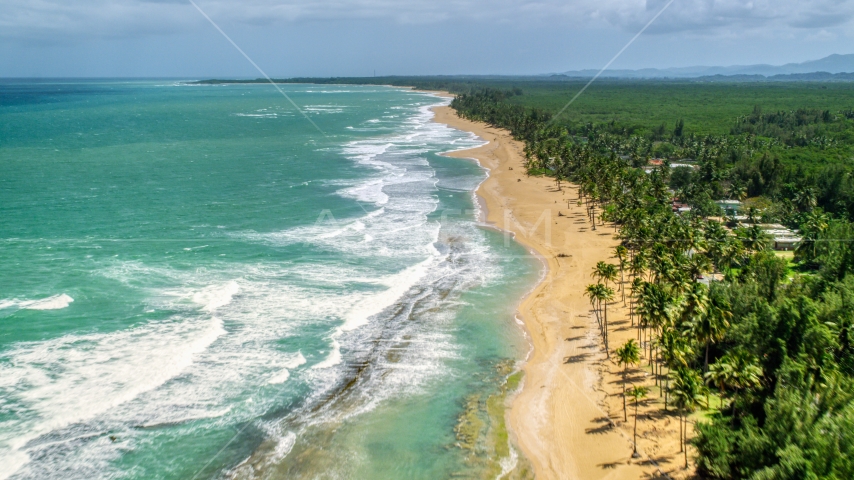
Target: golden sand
567	419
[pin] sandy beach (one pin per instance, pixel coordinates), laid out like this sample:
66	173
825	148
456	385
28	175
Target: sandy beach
567	418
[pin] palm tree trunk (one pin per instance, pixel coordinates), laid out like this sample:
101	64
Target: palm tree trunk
645	335
706	362
666	390
685	449
625	415
605	336
622	284
635	441
681	442
632	312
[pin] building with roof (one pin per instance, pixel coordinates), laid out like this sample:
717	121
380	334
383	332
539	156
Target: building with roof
730	207
782	238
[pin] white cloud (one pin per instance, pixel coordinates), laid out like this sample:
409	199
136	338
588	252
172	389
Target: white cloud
46	19
730	16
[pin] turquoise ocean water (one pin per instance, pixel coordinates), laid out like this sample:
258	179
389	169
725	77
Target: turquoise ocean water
196	283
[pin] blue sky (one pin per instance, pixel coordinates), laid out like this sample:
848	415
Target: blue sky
144	38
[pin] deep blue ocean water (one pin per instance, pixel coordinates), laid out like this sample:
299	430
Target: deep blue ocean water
196	283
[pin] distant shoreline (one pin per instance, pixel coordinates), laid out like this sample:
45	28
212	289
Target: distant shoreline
406	80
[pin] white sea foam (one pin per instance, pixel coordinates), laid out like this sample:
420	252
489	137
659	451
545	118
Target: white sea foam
397	285
187	367
79	377
280	377
55	302
334	357
284	445
369	192
216	296
285	374
298	360
324	108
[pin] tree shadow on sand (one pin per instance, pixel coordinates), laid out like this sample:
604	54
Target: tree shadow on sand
575	358
606	426
631	379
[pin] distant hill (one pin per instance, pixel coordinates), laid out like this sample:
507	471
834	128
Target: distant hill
792	77
832	64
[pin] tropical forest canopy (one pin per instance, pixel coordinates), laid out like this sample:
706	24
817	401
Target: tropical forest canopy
764	350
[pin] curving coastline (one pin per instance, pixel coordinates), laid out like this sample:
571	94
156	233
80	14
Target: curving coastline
567	418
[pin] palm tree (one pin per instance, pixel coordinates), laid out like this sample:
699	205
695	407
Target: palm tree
814	226
593	194
638	265
720	374
696	303
655	306
742	372
637	286
686	392
592	292
628	354
710	327
609	273
698	265
621	253
637	393
605	294
805	199
597	271
754	238
604	272
716	242
737	191
731	253
676	353
752	214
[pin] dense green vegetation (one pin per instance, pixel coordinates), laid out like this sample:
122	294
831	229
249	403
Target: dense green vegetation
782	144
705	107
774	347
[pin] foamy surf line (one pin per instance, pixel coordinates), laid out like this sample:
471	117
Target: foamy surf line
93	381
376	324
233	342
398	285
55	302
406	328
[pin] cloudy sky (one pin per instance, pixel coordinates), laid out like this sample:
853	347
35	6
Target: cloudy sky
145	38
